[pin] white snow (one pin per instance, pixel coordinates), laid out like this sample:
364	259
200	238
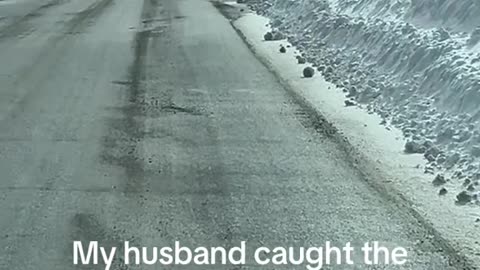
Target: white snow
415	63
380	144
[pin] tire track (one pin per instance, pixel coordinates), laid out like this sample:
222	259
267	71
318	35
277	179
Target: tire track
122	145
87	227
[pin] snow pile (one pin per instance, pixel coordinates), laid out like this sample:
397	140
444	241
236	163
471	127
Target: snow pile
459	15
396	58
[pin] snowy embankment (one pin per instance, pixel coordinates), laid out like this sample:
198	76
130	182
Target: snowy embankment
377	150
415	63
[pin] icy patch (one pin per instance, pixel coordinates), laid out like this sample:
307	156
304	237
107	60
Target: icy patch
398	60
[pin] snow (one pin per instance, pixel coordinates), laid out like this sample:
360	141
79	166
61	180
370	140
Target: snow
380	143
415	63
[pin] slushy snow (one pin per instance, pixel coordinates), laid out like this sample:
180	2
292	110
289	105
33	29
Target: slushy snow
413	62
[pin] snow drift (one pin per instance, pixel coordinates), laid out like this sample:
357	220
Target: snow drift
414	62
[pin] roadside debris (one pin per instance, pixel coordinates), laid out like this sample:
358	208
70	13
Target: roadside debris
439	180
308	72
301	60
442	191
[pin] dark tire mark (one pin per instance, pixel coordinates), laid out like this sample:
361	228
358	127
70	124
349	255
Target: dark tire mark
85	228
206	182
204	185
121	147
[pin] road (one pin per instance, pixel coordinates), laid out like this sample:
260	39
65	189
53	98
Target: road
151	121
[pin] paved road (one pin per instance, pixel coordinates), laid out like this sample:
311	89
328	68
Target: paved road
150	121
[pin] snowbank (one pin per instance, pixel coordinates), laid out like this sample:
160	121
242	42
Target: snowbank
405	60
382	160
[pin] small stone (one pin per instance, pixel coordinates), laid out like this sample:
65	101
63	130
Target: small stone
278	36
431	150
301	60
412	147
349	103
463	198
441	159
439	180
471	187
442	191
268	36
429	169
283	49
352	92
308	72
430	158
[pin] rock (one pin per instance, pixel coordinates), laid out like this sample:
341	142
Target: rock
276	22
471	187
441	159
442	191
278	36
268	36
301	60
463	198
352	92
431	151
308	72
439	180
349	103
430	158
283	49
412	147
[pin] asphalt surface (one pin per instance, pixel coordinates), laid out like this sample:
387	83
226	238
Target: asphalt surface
151	121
